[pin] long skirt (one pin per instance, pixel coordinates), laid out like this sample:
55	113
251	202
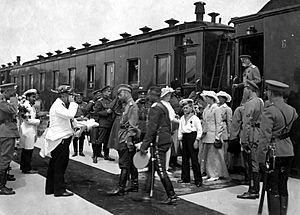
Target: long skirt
214	163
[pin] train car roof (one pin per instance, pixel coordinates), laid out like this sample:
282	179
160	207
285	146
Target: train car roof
273	7
186	27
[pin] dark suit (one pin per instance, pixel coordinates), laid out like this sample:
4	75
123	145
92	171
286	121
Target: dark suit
159	133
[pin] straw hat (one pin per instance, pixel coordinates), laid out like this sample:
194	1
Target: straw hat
166	90
224	94
211	94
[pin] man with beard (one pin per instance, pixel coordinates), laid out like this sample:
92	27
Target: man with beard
8	133
128	132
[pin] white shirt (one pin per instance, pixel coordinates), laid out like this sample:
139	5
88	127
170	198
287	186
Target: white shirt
60	125
190	125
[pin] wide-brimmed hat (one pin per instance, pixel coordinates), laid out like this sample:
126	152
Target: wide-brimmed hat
166	90
30	91
224	94
64	89
186	101
211	94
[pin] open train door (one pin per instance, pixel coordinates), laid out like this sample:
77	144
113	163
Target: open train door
252	45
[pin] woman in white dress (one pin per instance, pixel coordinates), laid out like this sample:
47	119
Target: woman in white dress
214	163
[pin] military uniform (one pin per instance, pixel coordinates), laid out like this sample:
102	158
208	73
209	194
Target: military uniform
127	134
105	120
143	111
159	133
250	139
276	123
8	133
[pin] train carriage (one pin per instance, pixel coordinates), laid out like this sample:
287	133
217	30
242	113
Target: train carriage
187	52
272	38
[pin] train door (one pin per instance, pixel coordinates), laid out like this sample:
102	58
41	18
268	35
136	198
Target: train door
252	45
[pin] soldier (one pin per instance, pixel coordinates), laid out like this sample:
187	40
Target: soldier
251	73
144	106
94	133
128	132
28	132
8	133
58	138
250	138
104	114
159	133
276	123
81	112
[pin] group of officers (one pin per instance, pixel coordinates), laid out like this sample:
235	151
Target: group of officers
263	133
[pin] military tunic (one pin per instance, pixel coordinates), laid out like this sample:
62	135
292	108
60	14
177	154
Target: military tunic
8	133
143	111
252	73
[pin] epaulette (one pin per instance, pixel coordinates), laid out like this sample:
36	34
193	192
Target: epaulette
154	104
101	99
268	104
130	103
253	66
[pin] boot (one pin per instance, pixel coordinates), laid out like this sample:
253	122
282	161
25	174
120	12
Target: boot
3	189
134	186
120	191
273	204
283	204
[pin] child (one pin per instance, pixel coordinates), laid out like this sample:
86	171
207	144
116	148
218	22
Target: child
189	134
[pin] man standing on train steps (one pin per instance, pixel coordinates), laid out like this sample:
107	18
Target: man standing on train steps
251	72
8	133
250	138
104	112
128	133
277	120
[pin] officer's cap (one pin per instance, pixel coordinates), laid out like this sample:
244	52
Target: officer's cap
155	90
142	91
30	91
124	87
186	101
96	91
251	85
276	85
8	86
105	88
245	56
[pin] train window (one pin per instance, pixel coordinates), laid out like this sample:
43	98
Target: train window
16	80
109	69
30	81
23	83
162	69
55	79
72	77
134	71
190	69
42	82
91	76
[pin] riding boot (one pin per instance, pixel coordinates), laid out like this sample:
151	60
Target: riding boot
255	188
283	204
273	204
134	186
3	189
120	191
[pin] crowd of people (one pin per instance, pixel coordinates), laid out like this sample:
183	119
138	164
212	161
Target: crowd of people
200	128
